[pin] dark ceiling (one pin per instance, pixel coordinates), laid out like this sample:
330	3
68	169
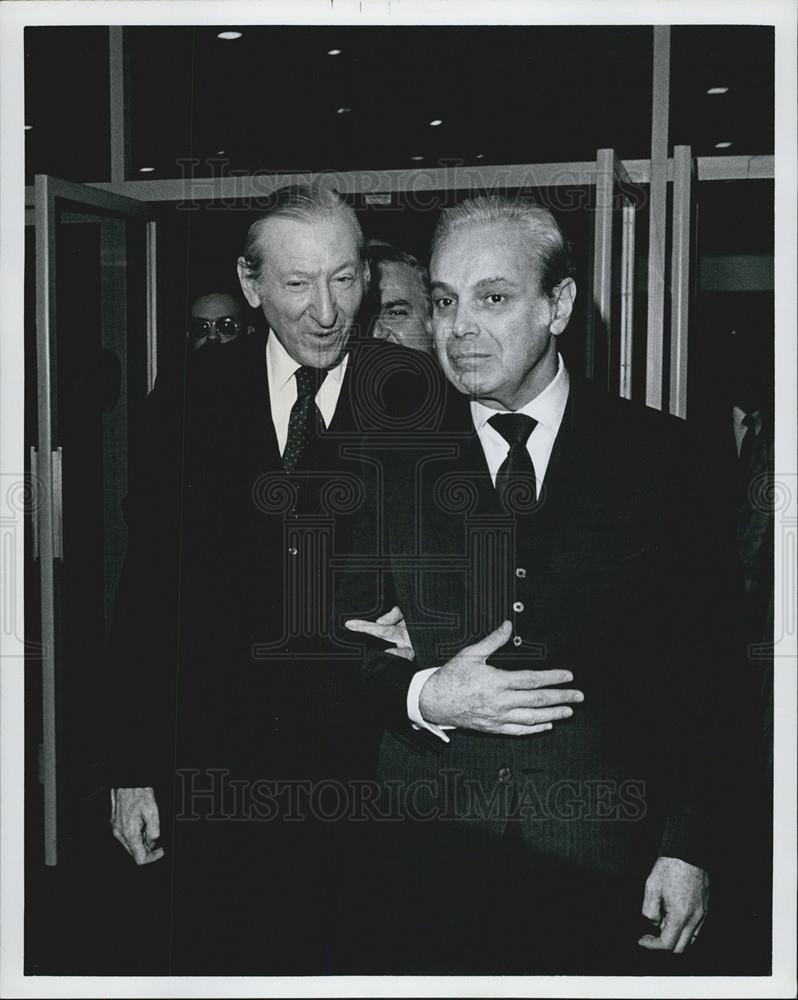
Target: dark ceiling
270	99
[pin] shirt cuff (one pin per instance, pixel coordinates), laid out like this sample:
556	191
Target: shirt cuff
420	678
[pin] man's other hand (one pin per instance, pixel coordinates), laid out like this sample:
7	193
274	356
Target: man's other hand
390	627
468	693
676	900
135	823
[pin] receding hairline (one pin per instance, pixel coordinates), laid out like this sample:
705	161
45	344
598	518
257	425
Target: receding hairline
335	213
524	227
541	234
332	214
528	224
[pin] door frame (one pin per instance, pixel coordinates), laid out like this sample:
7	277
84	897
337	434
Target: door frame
48	191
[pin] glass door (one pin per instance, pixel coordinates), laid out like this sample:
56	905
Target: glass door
95	363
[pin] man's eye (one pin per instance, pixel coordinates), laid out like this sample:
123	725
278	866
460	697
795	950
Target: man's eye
443	302
297	283
396	313
495	298
345	279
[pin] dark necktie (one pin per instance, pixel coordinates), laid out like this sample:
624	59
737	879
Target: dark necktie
515	428
748	442
304	414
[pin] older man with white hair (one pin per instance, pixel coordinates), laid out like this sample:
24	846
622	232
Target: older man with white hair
236	714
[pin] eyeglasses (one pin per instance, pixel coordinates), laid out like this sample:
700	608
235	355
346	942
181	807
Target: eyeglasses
225	326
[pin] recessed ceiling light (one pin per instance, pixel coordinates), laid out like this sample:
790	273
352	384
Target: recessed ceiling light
146	170
436	121
480	156
220	152
343	111
722	145
718	90
333	52
416	157
229	36
28	128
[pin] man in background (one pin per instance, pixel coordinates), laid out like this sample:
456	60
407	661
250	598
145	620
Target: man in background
399	298
215	320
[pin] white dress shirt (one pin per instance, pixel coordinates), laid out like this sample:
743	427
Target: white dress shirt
547	409
280	368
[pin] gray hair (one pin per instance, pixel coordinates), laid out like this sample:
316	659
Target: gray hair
547	241
303	203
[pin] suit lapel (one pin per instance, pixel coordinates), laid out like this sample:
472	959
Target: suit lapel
343	420
256	427
556	535
458	509
463	485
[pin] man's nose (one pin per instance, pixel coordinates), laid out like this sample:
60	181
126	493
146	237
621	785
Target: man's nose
324	309
378	331
463	321
213	333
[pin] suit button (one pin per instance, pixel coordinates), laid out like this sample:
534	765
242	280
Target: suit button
521	573
505	775
518	606
517	640
292	551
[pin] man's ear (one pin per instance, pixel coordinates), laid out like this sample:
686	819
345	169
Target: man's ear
366	275
562	299
248	283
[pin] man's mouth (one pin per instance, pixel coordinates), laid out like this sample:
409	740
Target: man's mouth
325	334
470	358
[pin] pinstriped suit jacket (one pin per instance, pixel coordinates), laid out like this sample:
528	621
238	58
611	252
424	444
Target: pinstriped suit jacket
611	574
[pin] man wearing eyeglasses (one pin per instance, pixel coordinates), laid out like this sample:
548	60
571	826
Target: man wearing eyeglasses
215	319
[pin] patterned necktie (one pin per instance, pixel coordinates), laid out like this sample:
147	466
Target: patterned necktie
515	428
304	414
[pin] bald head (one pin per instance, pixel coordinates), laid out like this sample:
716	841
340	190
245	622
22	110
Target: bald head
215	318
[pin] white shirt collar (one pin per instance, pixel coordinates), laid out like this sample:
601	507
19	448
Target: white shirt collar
280	368
739	415
547	407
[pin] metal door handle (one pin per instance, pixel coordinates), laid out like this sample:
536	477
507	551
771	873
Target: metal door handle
58	504
34	514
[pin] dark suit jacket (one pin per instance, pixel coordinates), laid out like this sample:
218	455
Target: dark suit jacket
222	654
614	577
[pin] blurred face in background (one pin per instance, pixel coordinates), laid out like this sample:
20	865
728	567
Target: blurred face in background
215	319
404	317
310	285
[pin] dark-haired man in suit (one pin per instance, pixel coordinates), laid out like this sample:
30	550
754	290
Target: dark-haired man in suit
399	299
550	721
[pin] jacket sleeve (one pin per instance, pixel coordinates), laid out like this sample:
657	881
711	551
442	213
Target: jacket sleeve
142	649
710	695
